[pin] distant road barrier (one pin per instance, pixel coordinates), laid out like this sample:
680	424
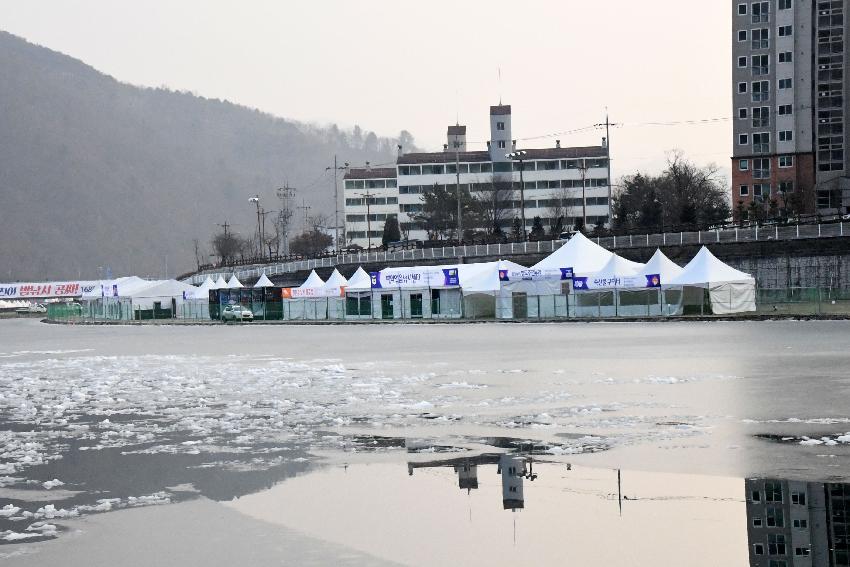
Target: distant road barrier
451	253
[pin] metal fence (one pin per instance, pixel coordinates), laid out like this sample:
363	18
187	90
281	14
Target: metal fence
451	253
392	306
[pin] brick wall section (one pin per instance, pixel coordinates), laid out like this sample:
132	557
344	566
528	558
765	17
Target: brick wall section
802	174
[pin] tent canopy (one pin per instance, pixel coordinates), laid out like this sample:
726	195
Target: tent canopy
661	265
617	267
220	283
312	282
705	269
234	283
335	285
359	281
579	253
264	281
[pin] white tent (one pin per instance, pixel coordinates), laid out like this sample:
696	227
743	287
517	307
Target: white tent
606	293
579	253
234	283
306	301
264	281
334	292
163	292
220	283
730	290
202	291
313	281
358	295
107	288
359	281
662	266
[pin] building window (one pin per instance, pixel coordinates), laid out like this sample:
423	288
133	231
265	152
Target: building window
786	136
785	110
756	519
786	161
743	165
742	62
744	191
761	91
761	38
801	551
784	83
798	498
761	12
761	168
758	549
776	544
742	112
784	4
502	144
761	145
772	492
785	31
743	139
742	35
786	57
500	125
775	517
742	88
785	187
755	496
761	64
801	524
742	9
761	117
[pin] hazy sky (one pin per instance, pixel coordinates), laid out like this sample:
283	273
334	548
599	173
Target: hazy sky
389	64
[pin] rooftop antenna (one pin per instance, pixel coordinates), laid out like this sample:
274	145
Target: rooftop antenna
457	108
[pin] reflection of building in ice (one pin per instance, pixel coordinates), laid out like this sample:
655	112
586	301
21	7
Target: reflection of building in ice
793	523
467	474
513	469
513	472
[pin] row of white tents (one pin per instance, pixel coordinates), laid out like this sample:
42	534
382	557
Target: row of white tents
580	279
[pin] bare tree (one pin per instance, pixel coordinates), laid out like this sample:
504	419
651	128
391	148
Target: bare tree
199	255
496	205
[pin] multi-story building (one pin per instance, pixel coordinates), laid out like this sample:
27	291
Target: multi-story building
371	197
559	185
789	108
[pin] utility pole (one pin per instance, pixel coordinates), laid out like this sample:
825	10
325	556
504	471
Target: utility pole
519	156
583	169
608	125
306	208
336	168
284	216
367	196
224	226
263	213
459	208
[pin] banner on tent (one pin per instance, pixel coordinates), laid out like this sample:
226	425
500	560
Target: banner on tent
308	293
50	289
630	282
416	277
534	274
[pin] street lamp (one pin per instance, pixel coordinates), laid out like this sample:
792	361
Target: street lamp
256	200
520	156
583	170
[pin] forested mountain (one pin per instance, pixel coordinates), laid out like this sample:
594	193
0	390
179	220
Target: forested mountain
97	173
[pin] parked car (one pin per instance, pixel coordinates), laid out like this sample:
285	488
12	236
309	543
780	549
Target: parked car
236	313
566	235
31	309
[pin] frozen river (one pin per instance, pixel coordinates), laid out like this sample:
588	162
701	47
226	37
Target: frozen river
108	431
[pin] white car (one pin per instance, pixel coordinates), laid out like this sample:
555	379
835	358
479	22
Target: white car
236	313
30	309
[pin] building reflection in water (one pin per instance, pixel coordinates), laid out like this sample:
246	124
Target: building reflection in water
513	469
797	523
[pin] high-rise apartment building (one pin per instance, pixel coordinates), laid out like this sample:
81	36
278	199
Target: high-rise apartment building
789	106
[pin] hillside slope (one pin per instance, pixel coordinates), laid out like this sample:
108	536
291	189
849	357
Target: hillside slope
97	173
